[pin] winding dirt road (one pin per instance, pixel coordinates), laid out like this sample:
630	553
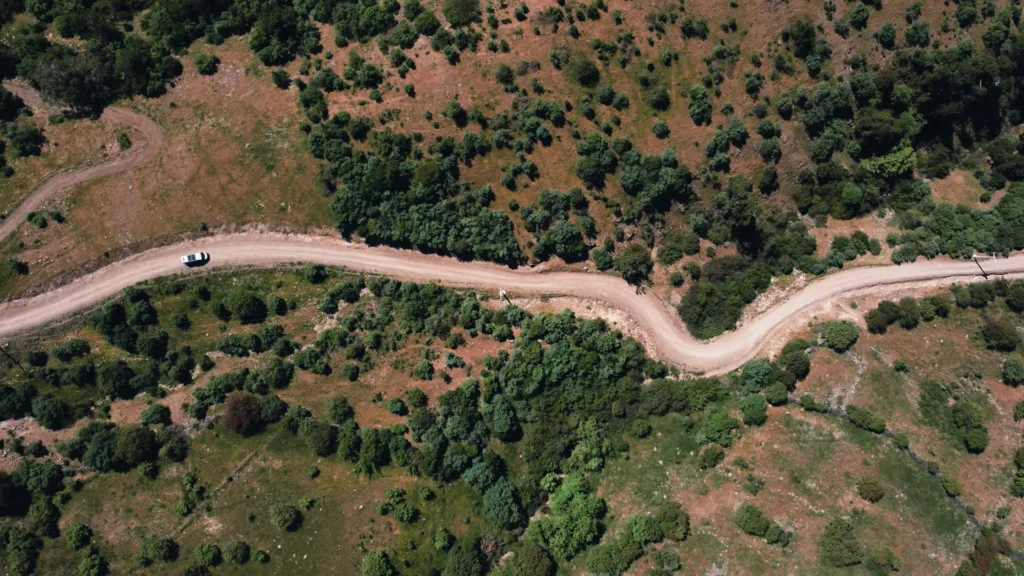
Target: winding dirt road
142	151
670	337
660	323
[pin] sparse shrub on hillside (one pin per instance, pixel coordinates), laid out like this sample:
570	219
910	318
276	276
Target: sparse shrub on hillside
864	418
870	489
751	520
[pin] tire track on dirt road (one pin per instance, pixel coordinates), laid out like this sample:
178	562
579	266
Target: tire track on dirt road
669	336
140	153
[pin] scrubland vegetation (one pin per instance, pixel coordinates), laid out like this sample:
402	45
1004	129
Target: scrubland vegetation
395	428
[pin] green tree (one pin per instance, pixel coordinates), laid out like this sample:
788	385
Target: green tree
208	555
1013	372
501	504
870	489
751	520
285	516
238	552
377	564
584	72
700	107
504	75
838	544
338	410
246	307
886	36
528	559
461	13
155	414
840	335
754	409
77	536
464	559
635	264
999	334
206	64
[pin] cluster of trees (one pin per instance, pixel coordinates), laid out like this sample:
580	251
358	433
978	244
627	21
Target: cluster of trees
775	380
925	101
960	231
655	182
669	522
388	198
89	379
846	249
573	374
961	421
25	139
908	312
769	243
29	499
752	520
840	548
104	447
562	238
111	64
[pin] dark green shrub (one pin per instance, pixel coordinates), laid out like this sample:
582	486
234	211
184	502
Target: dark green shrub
238	552
461	13
206	64
285	516
838	544
754	409
711	456
208	555
864	418
870	489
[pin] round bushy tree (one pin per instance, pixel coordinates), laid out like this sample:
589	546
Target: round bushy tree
635	264
243	413
776	394
870	489
285	516
464	559
208	555
840	335
238	552
377	564
754	409
155	414
77	536
584	71
1013	372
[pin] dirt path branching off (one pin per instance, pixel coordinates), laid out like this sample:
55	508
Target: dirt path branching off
142	151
